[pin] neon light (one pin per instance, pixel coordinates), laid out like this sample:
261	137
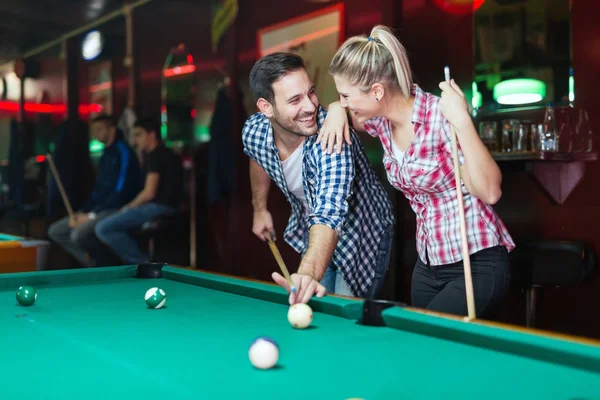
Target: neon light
96	146
458	7
477	99
9	106
571	85
100	87
182	70
519	91
43	108
92	108
48	108
202	133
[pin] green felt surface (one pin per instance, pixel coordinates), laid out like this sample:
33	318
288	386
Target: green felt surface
90	336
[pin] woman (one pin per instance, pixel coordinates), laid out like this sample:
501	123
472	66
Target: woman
374	80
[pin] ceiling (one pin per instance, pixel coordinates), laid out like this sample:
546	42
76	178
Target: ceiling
26	24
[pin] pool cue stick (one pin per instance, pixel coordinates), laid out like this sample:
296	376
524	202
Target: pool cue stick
282	266
461	212
61	189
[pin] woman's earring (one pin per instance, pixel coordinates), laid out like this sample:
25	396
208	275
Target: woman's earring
377	98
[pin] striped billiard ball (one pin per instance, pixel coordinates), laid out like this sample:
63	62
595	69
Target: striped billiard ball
155	297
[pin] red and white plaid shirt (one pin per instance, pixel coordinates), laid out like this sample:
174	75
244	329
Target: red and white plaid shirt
425	174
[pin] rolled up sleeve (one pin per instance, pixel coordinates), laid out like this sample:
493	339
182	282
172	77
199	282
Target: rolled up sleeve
334	179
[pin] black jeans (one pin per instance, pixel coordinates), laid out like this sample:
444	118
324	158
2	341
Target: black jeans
442	288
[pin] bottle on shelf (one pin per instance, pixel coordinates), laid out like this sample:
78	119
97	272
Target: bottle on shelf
550	137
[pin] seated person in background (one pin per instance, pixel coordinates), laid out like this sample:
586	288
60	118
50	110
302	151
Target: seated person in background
117	183
161	195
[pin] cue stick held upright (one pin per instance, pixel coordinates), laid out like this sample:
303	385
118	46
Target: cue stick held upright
282	266
461	213
61	189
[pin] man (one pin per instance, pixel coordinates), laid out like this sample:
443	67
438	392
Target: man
118	182
161	195
341	216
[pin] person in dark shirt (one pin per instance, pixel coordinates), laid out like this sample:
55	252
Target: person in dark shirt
161	195
118	181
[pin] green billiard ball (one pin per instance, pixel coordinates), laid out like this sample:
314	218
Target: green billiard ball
155	297
26	295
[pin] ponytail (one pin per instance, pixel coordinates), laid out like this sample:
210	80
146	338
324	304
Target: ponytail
377	58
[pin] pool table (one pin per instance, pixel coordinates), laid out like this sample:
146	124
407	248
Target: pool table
90	335
21	254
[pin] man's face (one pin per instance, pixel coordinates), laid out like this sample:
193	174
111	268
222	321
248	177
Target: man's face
102	131
140	138
296	104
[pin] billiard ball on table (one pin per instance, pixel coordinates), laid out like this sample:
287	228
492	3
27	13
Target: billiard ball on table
300	315
263	353
155	297
26	295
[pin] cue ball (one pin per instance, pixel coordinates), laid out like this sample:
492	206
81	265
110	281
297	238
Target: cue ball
155	297
26	295
263	353
300	315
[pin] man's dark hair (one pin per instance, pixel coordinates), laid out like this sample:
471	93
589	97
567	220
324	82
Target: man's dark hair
150	125
269	69
107	119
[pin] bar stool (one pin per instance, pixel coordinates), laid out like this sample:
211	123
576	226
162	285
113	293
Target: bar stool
550	263
160	227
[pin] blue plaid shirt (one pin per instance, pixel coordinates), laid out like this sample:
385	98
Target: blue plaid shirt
342	192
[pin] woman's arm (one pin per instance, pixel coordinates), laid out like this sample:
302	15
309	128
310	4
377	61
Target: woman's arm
480	173
335	129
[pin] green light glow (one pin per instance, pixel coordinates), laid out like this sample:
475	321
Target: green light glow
201	133
175	144
571	88
519	91
477	99
96	146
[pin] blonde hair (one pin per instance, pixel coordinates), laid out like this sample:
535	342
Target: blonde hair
377	58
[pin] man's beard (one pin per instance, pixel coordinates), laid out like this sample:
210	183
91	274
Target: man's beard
292	127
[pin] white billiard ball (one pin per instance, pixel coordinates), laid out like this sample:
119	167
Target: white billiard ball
263	353
300	315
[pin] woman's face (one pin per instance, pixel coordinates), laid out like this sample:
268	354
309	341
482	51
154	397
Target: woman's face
363	106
